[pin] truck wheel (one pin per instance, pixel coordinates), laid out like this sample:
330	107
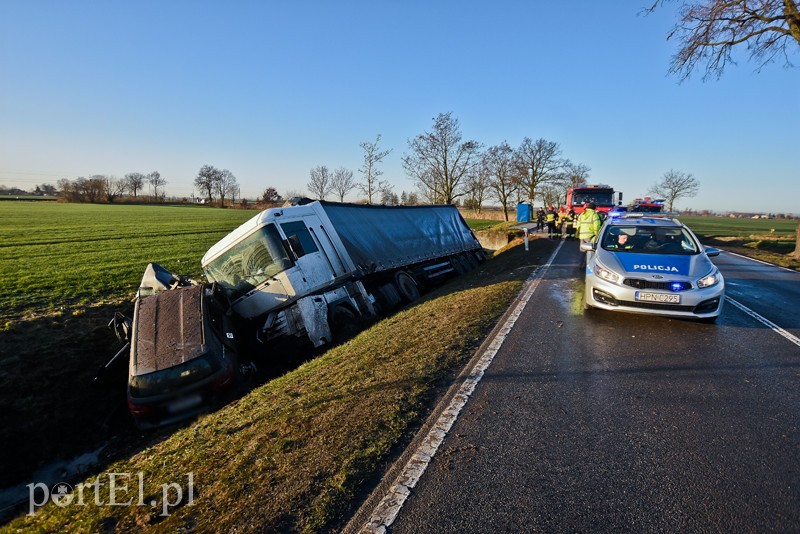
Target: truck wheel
473	262
406	286
344	324
458	266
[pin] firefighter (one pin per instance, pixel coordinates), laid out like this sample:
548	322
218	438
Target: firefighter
550	219
569	223
589	224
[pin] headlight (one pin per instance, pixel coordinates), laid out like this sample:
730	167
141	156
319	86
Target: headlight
709	280
604	273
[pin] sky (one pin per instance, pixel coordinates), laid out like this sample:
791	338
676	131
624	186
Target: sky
270	90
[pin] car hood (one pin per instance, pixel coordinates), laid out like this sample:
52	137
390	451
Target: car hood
672	265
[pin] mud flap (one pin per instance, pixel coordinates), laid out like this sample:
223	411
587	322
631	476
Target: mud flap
314	311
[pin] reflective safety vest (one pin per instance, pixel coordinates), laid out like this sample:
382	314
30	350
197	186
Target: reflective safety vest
588	224
550	217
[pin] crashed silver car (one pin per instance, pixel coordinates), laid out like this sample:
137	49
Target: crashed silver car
652	265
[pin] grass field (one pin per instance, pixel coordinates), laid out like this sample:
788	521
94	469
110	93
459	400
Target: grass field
54	254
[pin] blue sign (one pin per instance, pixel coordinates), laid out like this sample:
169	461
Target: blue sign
655	263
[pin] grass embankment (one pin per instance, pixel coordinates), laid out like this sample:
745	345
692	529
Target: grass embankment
293	454
770	240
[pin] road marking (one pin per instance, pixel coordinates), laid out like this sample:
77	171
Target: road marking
759	261
765	321
386	511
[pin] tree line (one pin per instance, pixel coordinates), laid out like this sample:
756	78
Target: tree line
103	188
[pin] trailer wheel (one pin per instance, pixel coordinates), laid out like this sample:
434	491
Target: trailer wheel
458	266
406	286
470	258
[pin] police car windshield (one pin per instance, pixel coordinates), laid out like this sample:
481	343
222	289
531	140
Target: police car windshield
649	240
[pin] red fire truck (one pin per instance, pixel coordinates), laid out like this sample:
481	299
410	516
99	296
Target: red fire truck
602	195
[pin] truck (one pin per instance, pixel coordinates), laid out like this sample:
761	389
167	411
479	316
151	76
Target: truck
647	205
302	274
601	194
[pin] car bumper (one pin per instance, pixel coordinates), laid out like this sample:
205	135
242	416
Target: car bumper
703	303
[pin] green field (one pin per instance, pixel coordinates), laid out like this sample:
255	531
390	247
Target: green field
730	227
55	254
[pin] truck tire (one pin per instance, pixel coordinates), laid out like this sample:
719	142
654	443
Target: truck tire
344	324
472	260
458	266
406	286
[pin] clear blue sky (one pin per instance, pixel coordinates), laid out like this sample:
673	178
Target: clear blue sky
272	89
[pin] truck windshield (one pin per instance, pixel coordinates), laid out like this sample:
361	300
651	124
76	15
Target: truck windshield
600	198
250	262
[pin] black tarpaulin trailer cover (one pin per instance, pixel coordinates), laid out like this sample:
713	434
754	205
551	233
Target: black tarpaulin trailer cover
389	237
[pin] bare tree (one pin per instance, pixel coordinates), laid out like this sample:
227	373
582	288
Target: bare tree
134	182
114	187
270	196
225	185
156	181
478	188
674	185
342	182
372	185
439	161
575	173
538	162
206	180
498	164
319	183
709	30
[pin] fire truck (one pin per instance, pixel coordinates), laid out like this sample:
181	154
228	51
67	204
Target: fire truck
647	205
601	194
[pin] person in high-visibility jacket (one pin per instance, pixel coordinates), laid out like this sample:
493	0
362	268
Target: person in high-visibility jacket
569	224
550	219
589	223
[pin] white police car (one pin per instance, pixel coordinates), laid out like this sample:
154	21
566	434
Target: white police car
642	263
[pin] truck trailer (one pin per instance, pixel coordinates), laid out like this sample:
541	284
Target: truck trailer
301	273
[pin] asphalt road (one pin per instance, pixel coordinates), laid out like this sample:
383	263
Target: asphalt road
610	421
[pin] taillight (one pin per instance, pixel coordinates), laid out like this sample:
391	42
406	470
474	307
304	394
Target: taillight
140	410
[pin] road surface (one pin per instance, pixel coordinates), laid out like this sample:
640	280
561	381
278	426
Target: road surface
611	421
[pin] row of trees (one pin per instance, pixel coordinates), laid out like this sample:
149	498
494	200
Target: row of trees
446	169
103	188
450	170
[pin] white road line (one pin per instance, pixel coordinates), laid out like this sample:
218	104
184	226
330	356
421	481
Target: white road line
765	321
760	261
386	511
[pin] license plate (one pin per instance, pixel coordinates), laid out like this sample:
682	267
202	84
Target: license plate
665	298
184	404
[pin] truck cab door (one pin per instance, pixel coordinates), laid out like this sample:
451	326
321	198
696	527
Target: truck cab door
316	257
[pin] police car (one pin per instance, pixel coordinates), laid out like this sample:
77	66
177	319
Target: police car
643	263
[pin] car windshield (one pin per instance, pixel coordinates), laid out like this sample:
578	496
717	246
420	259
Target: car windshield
651	240
250	262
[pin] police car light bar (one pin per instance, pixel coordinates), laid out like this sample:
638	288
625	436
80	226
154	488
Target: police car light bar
647	215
